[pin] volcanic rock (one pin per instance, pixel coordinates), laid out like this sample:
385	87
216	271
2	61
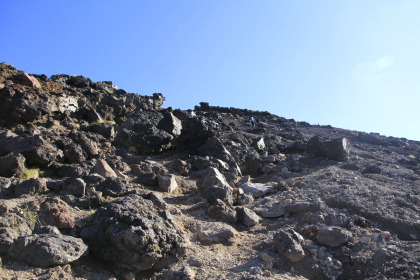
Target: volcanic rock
47	249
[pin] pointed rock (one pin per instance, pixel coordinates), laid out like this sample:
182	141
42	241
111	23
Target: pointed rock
102	168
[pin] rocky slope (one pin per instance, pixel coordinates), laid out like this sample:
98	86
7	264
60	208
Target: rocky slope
98	183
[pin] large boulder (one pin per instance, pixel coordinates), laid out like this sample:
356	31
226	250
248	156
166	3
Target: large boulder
74	153
195	131
170	124
214	186
89	146
11	227
215	148
47	249
151	140
337	149
132	234
56	212
43	155
22	107
35	149
113	186
12	165
31	187
26	80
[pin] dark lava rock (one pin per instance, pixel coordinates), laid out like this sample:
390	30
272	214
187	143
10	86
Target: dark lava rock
222	212
170	124
11	227
214	186
195	131
112	186
74	153
333	236
31	187
215	148
12	165
337	149
133	235
289	243
47	249
372	169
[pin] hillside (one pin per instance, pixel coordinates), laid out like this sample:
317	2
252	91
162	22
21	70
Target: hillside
98	183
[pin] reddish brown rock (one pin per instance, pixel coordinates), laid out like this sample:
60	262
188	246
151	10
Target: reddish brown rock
55	212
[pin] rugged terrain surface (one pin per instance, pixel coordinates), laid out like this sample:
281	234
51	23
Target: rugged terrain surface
98	183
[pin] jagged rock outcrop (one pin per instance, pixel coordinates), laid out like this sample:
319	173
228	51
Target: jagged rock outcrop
134	235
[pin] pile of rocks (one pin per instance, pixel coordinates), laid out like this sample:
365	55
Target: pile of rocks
91	173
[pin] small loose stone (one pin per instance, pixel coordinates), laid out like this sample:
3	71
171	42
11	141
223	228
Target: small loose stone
385	234
287	201
365	239
392	247
268	265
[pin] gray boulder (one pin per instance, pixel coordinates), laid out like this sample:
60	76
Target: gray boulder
215	148
333	236
47	249
214	186
270	208
337	149
43	155
247	216
170	124
11	227
289	243
89	146
132	234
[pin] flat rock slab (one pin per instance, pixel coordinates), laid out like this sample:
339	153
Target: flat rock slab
256	189
46	249
216	233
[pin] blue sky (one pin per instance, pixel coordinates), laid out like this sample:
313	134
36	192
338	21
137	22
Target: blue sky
350	64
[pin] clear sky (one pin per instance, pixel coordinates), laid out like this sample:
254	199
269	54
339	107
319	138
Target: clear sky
352	64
